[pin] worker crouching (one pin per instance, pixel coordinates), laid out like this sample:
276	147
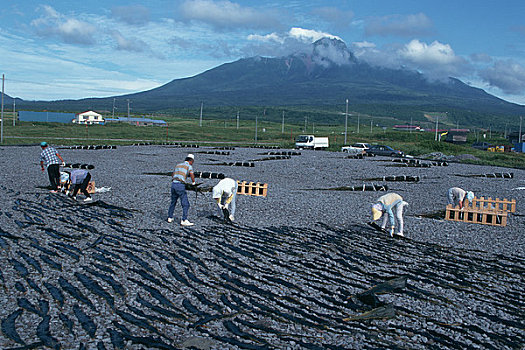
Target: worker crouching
459	197
385	207
79	181
225	194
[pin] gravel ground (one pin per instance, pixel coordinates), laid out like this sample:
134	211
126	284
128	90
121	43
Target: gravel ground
287	275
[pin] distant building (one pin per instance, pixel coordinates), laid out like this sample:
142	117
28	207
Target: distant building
88	117
138	121
514	137
457	136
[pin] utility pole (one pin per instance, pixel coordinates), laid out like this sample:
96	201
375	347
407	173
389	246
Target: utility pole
113	113
371	121
346	120
237	120
14	112
519	135
305	122
437	122
282	127
2	113
200	118
410	124
256	129
358	123
128	109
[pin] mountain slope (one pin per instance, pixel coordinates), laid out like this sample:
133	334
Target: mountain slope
326	76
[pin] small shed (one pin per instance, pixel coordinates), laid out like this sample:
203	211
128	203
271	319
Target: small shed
88	117
457	136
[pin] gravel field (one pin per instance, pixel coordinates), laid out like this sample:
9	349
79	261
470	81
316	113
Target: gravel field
292	273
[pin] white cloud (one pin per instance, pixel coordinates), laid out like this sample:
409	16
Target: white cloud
310	35
435	60
132	15
399	25
129	44
228	15
364	45
273	37
507	75
69	30
423	54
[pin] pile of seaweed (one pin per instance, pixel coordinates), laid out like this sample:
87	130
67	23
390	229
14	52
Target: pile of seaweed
94	275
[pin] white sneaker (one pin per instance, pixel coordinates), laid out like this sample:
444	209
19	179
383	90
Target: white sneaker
88	199
186	223
232	218
170	219
400	234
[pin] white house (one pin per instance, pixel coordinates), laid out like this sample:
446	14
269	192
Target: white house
88	117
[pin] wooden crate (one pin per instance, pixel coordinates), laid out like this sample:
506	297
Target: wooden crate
496	204
252	188
474	215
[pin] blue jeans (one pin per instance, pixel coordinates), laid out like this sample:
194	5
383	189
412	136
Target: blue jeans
178	190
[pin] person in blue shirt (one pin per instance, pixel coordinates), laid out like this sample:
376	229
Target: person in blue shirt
178	189
52	159
79	181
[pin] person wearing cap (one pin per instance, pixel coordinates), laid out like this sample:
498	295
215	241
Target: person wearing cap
458	196
178	189
225	194
385	207
52	159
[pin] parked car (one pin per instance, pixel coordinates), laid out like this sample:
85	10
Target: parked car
356	148
481	145
382	150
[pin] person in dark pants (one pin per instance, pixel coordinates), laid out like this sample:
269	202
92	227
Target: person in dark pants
178	189
79	181
52	160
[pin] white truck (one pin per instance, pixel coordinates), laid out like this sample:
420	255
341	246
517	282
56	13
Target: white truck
311	142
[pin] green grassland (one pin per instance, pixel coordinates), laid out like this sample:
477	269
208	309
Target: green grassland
222	132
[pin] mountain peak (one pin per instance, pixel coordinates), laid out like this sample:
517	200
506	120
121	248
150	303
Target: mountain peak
327	51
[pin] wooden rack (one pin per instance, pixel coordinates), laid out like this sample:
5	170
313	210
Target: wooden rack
252	188
497	204
483	211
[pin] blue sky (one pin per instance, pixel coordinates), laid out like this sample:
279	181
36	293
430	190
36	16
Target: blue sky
94	48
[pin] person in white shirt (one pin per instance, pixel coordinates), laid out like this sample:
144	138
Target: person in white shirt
384	207
225	194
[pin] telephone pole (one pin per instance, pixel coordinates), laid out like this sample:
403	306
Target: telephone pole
200	118
2	113
346	120
282	126
437	121
256	129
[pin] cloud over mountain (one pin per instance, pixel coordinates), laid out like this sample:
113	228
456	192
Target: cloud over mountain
507	75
